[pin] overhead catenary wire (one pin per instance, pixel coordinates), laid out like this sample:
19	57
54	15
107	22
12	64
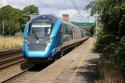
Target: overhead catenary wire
77	9
82	13
44	4
63	7
48	5
75	6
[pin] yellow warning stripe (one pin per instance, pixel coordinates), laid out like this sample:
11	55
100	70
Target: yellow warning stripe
80	63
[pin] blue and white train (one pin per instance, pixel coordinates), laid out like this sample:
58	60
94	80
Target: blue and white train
46	36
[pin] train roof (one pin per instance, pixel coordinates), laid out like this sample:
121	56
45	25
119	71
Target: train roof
53	18
49	16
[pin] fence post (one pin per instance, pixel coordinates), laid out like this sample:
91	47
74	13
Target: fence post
3	28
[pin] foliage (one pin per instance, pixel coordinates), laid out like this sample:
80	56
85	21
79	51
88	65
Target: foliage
11	27
111	37
14	19
31	9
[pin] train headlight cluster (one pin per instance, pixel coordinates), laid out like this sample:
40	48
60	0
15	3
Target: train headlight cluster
26	41
48	41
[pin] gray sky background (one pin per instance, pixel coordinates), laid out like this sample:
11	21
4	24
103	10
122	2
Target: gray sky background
56	7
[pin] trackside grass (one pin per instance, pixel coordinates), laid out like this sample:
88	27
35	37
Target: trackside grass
7	43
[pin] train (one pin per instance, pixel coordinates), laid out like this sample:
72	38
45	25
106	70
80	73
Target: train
47	36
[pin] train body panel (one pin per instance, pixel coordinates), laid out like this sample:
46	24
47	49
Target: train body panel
45	35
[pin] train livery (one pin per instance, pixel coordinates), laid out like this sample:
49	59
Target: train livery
47	35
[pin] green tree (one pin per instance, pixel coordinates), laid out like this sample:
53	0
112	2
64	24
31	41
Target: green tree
15	19
31	9
111	38
10	27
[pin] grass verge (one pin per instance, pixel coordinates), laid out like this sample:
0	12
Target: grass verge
7	43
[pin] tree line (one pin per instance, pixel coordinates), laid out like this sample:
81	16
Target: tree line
13	20
111	37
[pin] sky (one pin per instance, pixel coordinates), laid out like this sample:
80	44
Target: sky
56	7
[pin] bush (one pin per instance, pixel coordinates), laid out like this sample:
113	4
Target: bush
103	42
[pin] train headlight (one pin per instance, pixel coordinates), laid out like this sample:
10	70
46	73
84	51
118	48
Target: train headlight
26	41
48	41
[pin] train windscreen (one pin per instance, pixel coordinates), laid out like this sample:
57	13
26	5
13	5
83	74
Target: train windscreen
40	29
39	33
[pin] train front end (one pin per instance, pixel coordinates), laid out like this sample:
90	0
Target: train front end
38	38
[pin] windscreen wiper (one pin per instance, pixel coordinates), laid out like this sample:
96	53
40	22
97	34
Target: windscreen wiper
35	35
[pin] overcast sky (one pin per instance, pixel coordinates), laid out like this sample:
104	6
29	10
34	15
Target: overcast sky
56	7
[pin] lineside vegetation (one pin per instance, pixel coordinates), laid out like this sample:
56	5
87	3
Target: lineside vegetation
7	43
13	20
111	38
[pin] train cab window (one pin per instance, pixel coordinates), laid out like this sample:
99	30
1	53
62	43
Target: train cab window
40	29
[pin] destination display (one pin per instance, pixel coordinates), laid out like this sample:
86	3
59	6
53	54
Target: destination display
40	25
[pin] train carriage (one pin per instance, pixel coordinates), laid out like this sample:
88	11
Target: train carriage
47	35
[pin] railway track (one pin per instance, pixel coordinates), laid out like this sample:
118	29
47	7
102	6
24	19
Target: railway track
10	57
7	59
9	52
16	75
11	61
23	75
11	67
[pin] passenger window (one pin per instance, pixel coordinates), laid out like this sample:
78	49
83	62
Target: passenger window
70	30
67	32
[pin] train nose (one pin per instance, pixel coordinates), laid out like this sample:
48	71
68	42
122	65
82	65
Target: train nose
39	51
37	47
39	54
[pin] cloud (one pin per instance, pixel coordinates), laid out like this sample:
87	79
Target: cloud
22	3
3	3
71	12
56	7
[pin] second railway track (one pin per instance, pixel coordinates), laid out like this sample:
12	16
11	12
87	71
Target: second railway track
11	51
10	61
25	74
15	75
13	65
12	71
10	57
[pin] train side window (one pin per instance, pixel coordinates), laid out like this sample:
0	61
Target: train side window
65	29
70	31
67	32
